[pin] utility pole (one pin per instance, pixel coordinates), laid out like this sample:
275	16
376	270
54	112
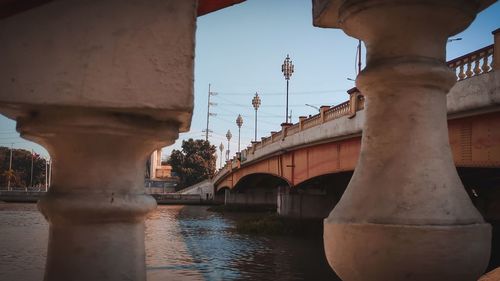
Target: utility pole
359	56
10	167
207	130
46	173
31	176
50	172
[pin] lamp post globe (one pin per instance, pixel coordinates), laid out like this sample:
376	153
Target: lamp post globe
256	103
287	68
221	148
239	123
228	136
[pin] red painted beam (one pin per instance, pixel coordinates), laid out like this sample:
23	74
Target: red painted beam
12	7
208	6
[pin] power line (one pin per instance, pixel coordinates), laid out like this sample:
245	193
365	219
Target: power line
250	116
262	105
282	93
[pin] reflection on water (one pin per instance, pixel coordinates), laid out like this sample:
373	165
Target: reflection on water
182	243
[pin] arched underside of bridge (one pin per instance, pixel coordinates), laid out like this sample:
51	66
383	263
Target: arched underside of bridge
313	198
253	189
483	187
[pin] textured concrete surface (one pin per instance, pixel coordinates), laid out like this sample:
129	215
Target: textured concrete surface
493	275
405	204
115	55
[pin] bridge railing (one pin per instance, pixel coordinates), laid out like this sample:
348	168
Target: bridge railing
295	128
338	111
326	114
469	65
473	63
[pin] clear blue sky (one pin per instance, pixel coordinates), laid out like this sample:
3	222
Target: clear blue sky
239	51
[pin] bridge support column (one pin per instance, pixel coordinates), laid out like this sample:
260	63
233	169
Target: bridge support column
100	84
405	214
97	203
307	203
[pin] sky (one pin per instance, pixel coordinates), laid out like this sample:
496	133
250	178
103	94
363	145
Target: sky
240	50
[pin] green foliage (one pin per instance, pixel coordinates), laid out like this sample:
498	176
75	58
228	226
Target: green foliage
272	224
195	163
21	168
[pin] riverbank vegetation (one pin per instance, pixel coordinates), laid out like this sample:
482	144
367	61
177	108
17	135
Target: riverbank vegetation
26	169
240	208
272	224
263	220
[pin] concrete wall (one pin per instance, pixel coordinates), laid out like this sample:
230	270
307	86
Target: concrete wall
253	196
204	189
476	94
305	203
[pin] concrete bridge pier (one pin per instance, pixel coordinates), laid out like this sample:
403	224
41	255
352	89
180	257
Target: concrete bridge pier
305	203
313	199
96	206
405	214
265	197
100	84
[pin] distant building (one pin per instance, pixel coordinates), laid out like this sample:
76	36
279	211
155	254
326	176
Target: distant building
159	177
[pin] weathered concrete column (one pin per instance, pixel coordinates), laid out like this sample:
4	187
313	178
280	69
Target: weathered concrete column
100	84
97	204
405	214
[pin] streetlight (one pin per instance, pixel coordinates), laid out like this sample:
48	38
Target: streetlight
315	107
228	136
221	148
256	104
287	69
453	39
239	122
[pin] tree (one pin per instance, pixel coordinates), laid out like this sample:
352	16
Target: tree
195	163
20	175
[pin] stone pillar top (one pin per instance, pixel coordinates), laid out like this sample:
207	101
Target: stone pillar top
136	59
326	13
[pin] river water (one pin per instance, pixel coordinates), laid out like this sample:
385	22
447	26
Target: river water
182	243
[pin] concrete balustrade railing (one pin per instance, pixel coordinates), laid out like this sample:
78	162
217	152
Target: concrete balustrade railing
478	62
474	63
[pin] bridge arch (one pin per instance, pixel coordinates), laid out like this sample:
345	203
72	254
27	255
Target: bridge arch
220	194
315	197
256	189
265	180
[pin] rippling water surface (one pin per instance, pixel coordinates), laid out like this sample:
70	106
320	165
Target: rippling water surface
182	243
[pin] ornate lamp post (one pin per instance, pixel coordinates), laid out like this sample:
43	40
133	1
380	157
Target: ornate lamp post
221	148
256	104
228	136
239	122
287	69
